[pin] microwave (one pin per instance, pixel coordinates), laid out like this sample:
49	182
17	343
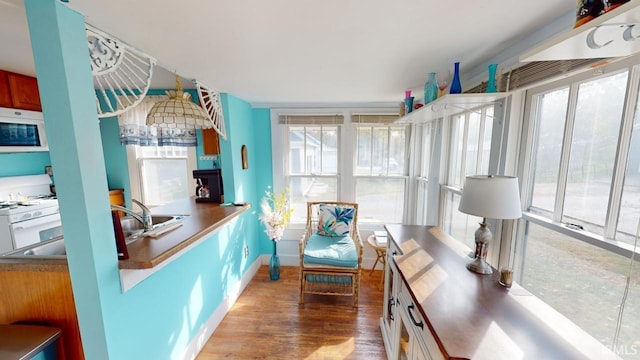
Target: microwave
22	131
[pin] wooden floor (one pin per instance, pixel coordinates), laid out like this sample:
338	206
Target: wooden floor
266	322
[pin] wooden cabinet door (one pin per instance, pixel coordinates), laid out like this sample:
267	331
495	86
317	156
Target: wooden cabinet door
5	94
24	92
210	143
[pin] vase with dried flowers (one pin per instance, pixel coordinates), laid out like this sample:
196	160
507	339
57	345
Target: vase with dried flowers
275	216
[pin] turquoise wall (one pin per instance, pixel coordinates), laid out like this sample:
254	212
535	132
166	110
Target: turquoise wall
16	164
264	170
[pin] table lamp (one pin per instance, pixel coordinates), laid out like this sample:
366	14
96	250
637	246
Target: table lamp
493	197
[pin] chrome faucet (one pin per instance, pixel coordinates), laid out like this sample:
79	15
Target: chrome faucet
145	219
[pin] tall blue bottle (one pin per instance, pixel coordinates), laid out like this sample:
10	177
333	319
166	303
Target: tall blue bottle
430	88
456	88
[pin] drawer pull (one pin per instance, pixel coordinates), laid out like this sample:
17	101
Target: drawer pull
410	311
390	308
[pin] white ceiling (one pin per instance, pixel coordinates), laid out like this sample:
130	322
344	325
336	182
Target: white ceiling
301	51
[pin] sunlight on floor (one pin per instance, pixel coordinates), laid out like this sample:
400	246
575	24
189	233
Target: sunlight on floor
325	352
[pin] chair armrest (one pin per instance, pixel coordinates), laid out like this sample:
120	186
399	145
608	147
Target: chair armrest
359	245
303	242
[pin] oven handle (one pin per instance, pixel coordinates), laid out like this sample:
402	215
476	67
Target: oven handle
29	223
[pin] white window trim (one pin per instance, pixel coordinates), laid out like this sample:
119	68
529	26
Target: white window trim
346	188
526	163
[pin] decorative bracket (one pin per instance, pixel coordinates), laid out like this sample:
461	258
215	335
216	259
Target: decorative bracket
121	73
210	101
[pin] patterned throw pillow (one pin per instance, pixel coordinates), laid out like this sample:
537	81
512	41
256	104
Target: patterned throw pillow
334	220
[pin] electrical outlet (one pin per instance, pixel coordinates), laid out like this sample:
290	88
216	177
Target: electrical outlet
246	251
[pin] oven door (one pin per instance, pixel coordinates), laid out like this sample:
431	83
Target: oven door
36	230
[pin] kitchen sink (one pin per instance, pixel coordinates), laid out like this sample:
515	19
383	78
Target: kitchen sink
51	249
133	229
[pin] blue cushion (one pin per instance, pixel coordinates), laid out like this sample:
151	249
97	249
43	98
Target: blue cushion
331	250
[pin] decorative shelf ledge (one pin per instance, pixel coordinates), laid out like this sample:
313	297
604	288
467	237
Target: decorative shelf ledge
613	34
449	104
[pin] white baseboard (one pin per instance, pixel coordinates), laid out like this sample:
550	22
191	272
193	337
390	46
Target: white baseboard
207	329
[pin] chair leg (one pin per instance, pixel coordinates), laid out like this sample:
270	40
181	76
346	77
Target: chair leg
301	290
356	291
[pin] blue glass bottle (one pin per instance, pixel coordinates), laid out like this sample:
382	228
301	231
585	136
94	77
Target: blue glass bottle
491	83
430	88
274	263
456	88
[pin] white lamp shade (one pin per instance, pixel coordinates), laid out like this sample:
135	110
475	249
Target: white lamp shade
178	112
493	197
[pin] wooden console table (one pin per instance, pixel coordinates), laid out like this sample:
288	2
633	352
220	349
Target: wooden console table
470	316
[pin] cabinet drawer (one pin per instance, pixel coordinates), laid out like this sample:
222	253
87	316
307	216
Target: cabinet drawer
411	308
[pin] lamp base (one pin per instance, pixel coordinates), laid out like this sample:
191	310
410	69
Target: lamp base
480	266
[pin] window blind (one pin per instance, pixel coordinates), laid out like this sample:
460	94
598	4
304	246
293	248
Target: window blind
385	119
536	72
334	119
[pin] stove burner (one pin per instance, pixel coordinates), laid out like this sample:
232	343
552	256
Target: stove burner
8	205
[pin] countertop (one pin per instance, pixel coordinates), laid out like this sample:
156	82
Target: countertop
19	342
145	253
471	316
203	218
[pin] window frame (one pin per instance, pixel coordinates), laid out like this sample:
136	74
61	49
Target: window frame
135	161
346	157
527	161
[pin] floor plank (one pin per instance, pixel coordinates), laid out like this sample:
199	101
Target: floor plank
267	323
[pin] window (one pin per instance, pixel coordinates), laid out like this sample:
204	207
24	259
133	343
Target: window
162	173
426	133
313	146
380	168
581	176
469	147
360	158
157	174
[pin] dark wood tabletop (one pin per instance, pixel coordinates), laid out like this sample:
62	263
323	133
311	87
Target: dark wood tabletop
472	316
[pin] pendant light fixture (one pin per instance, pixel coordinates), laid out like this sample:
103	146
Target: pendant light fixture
178	112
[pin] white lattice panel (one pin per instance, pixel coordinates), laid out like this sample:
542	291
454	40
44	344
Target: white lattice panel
210	101
121	73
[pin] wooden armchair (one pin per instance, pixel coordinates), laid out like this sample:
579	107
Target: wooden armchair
331	251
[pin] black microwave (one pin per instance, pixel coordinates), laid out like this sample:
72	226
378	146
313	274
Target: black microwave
22	131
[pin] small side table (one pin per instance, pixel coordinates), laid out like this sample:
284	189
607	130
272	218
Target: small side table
381	253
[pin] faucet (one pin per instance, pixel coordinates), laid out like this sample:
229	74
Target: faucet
145	219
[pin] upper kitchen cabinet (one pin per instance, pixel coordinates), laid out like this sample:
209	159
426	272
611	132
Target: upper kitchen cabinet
19	91
210	142
612	34
5	94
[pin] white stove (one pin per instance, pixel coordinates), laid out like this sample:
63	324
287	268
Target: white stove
28	212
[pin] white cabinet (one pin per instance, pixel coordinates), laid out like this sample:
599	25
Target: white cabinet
390	302
404	330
